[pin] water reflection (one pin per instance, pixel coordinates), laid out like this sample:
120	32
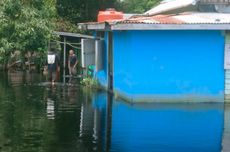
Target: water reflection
50	109
174	128
38	118
226	135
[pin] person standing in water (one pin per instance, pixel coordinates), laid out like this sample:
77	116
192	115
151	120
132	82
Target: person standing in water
53	65
72	63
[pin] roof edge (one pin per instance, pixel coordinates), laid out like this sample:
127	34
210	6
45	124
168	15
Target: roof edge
94	26
171	27
114	27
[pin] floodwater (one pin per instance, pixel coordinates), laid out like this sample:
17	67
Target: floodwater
36	117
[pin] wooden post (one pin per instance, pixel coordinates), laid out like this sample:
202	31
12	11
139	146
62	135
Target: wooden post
64	61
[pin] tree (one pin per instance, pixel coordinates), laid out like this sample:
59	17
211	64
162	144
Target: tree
24	25
77	11
27	25
137	6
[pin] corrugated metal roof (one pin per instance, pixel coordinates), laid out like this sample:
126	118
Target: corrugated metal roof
185	21
184	18
178	6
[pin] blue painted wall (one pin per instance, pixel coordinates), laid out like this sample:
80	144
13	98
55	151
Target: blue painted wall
169	62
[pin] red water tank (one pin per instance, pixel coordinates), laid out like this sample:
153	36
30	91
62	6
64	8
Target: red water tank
109	15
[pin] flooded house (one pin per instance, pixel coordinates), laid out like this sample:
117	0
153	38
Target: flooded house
178	50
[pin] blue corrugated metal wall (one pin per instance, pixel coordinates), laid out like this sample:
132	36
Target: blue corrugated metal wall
169	62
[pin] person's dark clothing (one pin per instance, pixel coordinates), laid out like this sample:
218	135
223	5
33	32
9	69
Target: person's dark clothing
72	60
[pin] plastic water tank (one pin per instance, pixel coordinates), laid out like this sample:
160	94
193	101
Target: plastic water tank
109	15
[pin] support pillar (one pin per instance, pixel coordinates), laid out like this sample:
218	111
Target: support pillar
110	61
64	61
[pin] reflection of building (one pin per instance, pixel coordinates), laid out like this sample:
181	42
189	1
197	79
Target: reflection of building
93	121
80	118
167	128
226	133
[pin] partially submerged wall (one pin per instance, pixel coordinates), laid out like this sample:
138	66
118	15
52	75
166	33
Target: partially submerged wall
227	68
169	63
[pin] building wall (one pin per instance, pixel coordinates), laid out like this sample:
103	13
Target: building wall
169	62
227	71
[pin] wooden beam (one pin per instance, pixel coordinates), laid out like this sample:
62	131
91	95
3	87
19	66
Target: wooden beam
66	34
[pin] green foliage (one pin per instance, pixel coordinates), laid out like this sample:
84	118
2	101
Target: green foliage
77	11
27	25
24	25
50	5
90	82
137	6
64	25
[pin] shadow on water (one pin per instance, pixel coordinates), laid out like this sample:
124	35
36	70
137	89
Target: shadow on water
42	118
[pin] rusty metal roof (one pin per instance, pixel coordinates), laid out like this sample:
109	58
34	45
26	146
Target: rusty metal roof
158	19
183	18
185	21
